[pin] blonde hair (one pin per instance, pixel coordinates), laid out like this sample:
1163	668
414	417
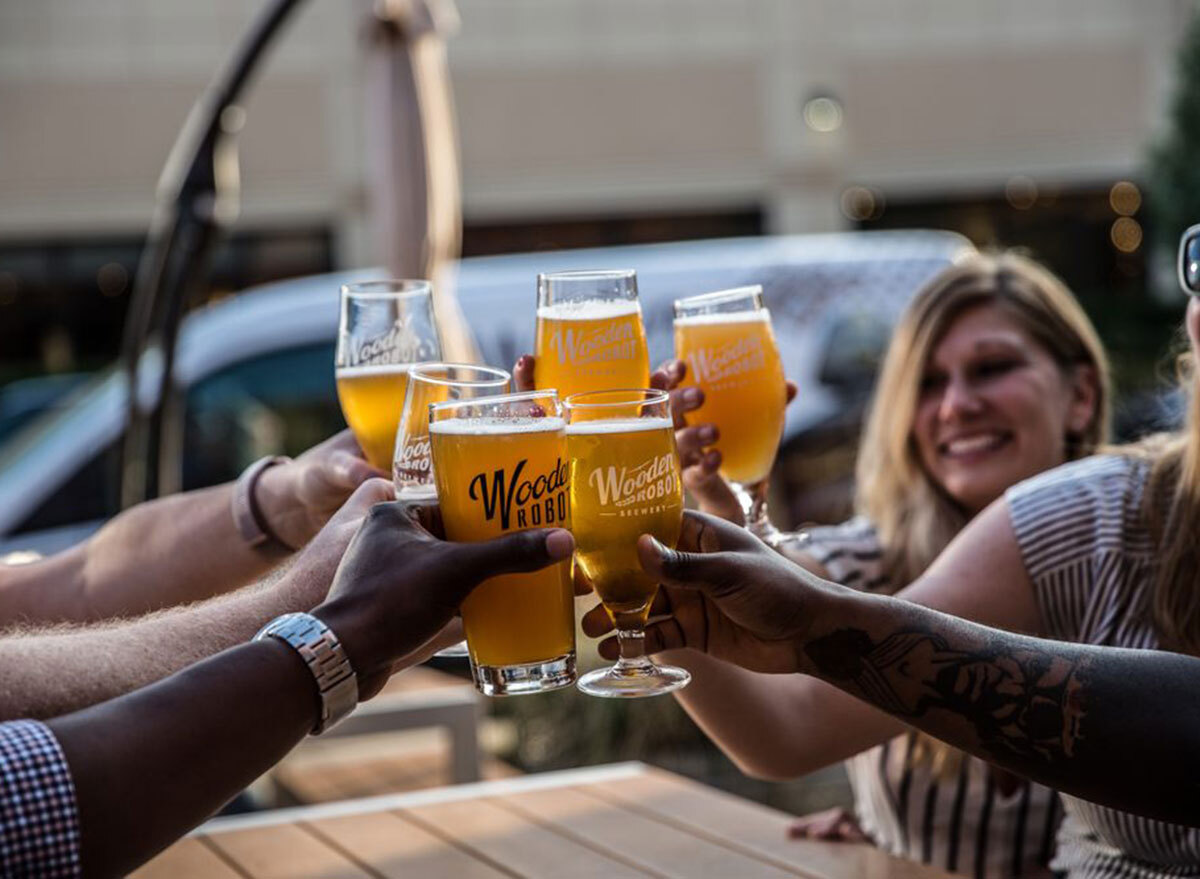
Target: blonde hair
914	516
1172	509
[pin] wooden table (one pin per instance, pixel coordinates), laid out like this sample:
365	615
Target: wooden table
607	822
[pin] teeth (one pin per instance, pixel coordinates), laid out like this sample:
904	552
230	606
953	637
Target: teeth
967	445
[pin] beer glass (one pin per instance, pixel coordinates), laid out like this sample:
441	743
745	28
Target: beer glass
385	327
589	332
500	465
430	383
726	340
625	482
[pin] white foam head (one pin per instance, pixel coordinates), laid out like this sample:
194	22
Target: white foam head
724	317
374	369
495	426
589	309
619	425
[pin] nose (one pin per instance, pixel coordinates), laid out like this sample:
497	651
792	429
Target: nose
959	400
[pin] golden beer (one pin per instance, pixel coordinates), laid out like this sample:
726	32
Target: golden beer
372	399
624	483
591	345
734	358
493	476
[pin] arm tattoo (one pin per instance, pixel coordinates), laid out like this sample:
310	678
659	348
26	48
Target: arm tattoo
1021	703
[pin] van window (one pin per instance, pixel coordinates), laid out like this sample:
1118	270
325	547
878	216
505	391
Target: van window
278	404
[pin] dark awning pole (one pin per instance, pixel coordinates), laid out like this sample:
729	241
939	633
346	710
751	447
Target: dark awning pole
197	199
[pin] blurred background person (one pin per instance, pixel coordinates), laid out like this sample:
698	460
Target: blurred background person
994	374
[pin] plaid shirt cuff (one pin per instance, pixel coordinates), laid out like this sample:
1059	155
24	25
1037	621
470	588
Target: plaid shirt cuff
39	822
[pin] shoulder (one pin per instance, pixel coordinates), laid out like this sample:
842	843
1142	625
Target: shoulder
850	552
1081	507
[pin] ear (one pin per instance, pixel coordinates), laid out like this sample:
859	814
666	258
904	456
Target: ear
1085	398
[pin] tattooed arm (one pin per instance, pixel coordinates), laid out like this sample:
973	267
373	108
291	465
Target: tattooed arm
1119	727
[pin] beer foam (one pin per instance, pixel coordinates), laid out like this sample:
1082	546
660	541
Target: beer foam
619	425
373	369
724	317
589	309
495	426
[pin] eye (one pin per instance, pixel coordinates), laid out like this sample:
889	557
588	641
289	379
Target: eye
995	367
932	383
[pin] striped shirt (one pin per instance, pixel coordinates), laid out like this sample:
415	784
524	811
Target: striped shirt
1091	559
964	822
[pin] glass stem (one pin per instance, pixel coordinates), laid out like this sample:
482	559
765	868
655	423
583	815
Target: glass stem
753	499
632	646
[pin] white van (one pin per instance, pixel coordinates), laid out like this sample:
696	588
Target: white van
255	372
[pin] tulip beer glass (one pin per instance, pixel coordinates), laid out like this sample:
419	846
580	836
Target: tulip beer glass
624	483
385	327
729	347
589	332
500	465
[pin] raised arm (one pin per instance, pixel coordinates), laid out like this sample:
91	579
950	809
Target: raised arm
1119	727
45	672
154	763
185	547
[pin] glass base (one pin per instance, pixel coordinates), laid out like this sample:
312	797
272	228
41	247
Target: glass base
532	677
454	651
634	681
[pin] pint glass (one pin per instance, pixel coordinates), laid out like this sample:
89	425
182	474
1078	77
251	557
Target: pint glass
430	383
589	332
624	483
729	347
500	465
385	327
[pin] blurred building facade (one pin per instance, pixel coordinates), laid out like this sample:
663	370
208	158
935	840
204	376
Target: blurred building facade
587	121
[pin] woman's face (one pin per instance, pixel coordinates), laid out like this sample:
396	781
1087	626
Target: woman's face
994	408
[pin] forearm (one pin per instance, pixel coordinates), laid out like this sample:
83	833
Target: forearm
51	672
776	727
1119	727
166	552
149	766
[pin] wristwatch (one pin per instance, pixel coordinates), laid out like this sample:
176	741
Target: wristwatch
251	524
326	659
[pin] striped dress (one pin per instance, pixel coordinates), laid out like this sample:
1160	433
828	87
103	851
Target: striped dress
1091	560
963	823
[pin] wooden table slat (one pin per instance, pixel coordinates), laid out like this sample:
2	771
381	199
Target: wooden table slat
748	826
517	844
664	849
285	851
187	859
396	847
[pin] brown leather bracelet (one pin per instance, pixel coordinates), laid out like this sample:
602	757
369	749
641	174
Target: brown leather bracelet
251	524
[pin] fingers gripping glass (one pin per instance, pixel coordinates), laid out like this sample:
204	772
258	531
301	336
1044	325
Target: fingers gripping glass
1189	261
385	327
500	465
625	482
428	384
728	344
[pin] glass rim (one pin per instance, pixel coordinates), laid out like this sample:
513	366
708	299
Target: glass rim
586	274
517	397
377	289
499	376
719	296
650	397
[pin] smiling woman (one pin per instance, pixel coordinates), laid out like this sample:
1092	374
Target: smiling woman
993	375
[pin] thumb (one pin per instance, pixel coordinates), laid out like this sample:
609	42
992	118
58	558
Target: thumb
513	553
671	567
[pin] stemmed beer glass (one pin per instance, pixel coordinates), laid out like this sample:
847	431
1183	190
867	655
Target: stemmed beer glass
625	482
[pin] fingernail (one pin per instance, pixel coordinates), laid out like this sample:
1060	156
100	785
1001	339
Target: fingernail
691	395
708	435
559	544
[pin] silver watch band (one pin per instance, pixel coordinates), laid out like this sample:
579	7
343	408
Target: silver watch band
326	659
